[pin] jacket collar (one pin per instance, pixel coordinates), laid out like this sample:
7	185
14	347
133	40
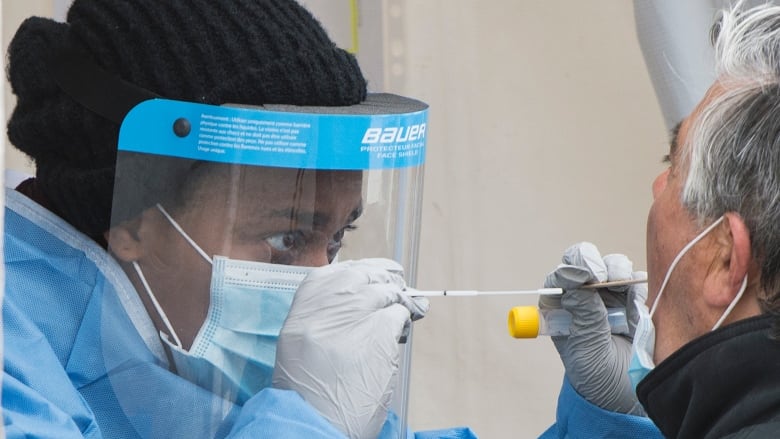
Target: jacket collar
716	384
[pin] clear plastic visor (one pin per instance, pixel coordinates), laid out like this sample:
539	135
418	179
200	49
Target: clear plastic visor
197	185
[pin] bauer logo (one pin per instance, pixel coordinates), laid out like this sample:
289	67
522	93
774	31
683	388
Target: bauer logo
409	133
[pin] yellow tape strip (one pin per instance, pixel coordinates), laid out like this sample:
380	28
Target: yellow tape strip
354	18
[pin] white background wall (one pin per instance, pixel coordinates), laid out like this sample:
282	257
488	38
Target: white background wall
544	131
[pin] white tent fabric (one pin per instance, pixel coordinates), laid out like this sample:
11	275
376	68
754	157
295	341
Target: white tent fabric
674	37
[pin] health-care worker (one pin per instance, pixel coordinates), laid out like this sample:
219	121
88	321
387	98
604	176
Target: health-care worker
160	267
705	350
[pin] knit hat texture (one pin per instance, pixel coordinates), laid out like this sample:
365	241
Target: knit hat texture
211	51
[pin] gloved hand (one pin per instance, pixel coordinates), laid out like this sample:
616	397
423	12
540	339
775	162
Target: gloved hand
339	346
596	361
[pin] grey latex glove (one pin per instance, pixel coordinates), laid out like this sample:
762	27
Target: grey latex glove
339	346
596	361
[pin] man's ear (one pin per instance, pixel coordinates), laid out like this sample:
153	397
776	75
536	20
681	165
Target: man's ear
730	263
123	240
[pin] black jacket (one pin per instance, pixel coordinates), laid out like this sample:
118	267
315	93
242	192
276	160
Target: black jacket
723	384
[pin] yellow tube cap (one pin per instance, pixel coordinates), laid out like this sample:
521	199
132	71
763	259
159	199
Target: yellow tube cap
523	322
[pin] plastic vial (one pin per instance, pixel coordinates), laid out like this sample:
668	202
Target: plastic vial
531	322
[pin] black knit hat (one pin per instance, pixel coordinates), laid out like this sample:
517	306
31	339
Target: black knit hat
211	51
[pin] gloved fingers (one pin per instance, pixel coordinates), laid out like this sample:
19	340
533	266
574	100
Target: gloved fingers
339	346
588	313
595	360
619	267
613	299
372	270
549	301
327	270
582	263
417	306
383	264
393	318
345	277
378	296
587	255
639	290
568	277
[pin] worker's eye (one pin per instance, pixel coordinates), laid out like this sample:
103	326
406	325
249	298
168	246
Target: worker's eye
337	242
287	241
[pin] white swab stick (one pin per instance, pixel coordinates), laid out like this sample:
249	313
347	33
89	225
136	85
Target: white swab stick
544	291
434	293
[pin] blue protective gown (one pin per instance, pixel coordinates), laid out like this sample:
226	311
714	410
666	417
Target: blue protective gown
83	359
576	418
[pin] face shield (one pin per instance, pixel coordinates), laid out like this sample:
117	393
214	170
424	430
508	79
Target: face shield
209	200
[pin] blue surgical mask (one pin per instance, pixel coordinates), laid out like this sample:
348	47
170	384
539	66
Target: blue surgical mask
643	346
234	351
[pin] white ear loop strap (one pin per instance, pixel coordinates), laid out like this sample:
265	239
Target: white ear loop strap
677	259
183	233
148	289
157	306
732	304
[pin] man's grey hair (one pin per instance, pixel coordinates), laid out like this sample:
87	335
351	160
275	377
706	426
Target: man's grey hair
733	146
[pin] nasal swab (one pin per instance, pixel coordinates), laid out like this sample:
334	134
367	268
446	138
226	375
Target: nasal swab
541	291
614	283
434	293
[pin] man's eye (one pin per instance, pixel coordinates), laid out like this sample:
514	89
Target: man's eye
287	241
666	159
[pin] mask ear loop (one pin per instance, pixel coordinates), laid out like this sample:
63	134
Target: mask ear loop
677	259
156	304
148	289
732	304
184	234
